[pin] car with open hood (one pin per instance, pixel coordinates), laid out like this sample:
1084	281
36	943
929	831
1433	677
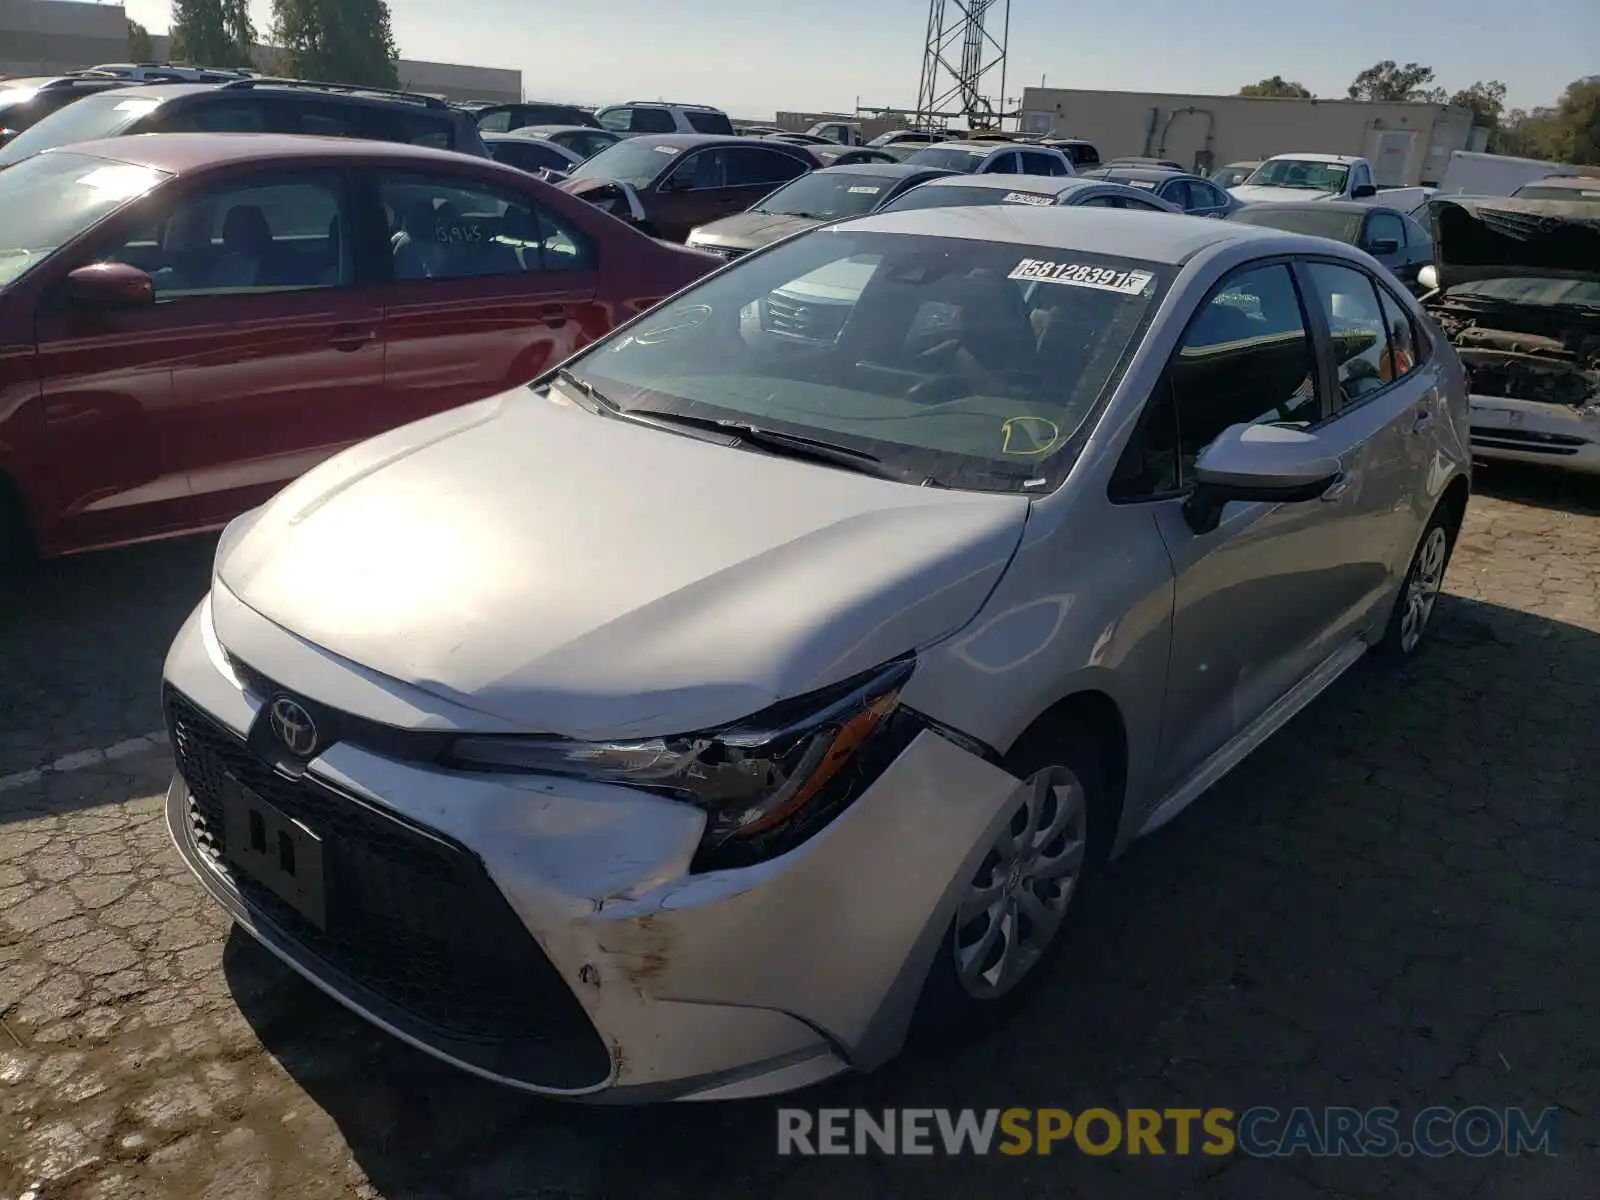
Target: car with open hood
1519	298
759	685
831	194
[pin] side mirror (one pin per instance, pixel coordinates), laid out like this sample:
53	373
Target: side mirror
110	285
1266	463
1428	278
1363	191
7	134
1383	246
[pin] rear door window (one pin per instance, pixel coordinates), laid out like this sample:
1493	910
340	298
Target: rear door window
1356	328
451	228
751	167
495	121
618	120
232	116
648	119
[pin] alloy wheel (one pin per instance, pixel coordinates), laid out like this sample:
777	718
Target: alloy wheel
1422	590
1014	906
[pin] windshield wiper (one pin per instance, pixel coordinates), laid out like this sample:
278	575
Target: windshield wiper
599	402
791	445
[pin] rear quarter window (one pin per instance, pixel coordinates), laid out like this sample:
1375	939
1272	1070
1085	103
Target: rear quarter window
711	122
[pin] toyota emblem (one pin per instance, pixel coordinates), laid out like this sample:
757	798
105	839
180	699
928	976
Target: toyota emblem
294	726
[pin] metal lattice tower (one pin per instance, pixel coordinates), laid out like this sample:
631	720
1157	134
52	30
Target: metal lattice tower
961	53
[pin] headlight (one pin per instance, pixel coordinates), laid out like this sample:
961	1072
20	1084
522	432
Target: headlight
751	776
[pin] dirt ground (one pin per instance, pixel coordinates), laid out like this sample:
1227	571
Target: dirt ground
1393	903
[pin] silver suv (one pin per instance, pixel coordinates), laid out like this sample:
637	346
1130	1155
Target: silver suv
657	116
771	678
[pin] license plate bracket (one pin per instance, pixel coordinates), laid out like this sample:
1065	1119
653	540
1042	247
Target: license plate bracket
280	853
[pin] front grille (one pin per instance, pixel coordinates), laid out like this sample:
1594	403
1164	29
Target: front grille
1527	440
412	917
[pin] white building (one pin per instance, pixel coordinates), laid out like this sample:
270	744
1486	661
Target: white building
1407	143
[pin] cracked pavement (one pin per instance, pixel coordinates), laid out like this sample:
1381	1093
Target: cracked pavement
1392	903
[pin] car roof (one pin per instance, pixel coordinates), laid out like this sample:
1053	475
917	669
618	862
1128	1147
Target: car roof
1321	158
887	170
1174	239
542	129
1344	206
1039	185
975	147
1115	171
1576	183
176	153
685	141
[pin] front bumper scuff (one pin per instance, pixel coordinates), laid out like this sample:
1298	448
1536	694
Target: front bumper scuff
728	984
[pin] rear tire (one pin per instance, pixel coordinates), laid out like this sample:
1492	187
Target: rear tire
1014	914
1412	616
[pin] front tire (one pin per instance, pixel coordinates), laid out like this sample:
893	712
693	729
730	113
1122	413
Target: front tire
1412	618
1012	917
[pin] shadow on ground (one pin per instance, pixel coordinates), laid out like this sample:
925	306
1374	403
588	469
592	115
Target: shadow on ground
1384	906
81	645
1541	487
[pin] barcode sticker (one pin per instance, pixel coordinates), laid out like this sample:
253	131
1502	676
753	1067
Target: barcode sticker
1027	198
864	190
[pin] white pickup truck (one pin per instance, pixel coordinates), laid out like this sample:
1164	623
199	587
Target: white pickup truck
1296	178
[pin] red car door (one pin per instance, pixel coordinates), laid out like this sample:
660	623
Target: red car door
259	357
489	286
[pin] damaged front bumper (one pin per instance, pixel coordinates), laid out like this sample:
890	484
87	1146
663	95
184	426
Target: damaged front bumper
549	934
1529	431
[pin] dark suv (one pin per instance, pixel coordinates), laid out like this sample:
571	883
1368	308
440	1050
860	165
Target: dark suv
503	118
255	106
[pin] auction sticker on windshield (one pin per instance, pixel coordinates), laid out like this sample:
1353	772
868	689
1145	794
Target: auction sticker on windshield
1027	198
1107	279
863	190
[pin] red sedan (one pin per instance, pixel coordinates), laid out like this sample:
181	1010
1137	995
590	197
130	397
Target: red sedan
189	321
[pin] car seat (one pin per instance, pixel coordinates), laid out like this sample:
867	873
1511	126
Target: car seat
246	248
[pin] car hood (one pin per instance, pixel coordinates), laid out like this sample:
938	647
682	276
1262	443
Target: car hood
1257	194
1495	238
752	230
590	577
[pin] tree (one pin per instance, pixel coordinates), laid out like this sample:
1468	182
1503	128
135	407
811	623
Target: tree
1386	81
1277	88
1486	99
139	47
1568	131
344	41
212	33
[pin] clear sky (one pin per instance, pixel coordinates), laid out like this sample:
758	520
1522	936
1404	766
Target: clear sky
753	57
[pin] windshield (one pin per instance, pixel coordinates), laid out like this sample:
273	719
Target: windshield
971	363
630	161
828	196
934	195
949	158
47	201
1541	191
1300	173
105	115
1340	226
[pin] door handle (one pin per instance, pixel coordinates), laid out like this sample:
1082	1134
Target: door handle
553	315
352	339
1340	485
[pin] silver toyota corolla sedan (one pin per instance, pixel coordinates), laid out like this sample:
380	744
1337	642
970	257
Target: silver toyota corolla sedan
770	680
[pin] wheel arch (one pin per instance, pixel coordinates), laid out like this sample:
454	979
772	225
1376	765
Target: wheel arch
1454	502
1099	715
